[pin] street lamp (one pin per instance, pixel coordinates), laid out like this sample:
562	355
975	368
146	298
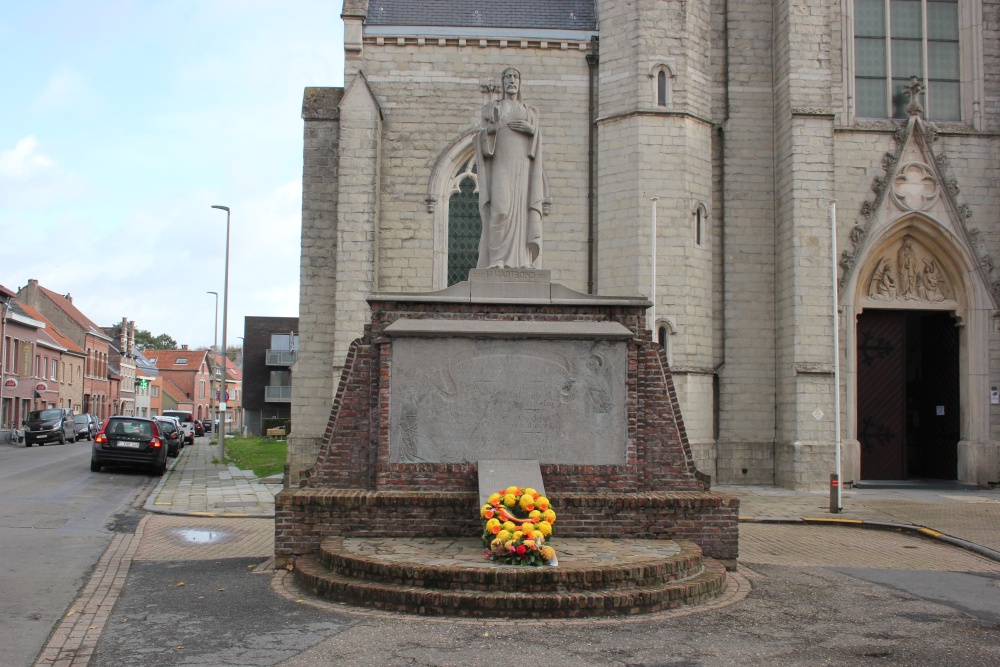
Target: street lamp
215	345
225	314
215	350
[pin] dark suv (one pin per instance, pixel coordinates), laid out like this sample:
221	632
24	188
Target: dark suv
49	425
86	426
130	441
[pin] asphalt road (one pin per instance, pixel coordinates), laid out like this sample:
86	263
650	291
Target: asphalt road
54	520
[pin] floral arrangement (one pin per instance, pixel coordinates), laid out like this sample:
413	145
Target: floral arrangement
516	523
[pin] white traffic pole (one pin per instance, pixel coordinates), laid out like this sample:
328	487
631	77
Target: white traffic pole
836	352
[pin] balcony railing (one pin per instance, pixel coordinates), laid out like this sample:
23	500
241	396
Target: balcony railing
277	394
281	357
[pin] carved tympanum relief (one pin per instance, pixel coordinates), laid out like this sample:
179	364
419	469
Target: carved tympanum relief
911	273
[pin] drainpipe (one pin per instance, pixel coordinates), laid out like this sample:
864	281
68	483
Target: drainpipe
593	58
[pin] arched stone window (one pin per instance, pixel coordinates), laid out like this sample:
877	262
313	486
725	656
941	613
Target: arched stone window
662	79
664	330
700	225
453	198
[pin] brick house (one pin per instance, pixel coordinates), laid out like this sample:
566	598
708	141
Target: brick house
59	309
187	371
65	378
19	372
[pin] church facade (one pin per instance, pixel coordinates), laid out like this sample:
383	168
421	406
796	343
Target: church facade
751	167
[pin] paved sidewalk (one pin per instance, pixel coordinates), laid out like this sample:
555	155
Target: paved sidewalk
961	514
198	485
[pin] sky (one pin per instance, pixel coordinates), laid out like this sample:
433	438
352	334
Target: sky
124	121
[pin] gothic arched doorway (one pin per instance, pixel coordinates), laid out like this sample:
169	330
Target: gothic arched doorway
908	394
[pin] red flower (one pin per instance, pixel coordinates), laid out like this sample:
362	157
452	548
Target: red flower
521	550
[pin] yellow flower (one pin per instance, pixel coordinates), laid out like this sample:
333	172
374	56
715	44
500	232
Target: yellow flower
535	516
542	503
537	535
512	490
496	543
484	509
527	528
509	526
491	523
548	553
504	535
549	515
527	503
518	535
510	500
494	498
530	492
544	527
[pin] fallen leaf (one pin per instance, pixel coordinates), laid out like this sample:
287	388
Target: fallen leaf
180	584
180	647
93	627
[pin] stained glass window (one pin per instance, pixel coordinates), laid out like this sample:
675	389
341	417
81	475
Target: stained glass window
897	39
464	225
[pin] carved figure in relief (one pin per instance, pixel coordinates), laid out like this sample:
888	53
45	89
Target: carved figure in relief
513	191
883	287
928	287
597	386
906	265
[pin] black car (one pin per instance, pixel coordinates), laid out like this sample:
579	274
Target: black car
86	426
172	434
50	425
199	428
130	441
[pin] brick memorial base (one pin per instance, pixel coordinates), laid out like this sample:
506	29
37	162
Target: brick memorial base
506	362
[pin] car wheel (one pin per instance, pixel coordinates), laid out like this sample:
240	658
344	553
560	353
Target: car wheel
160	467
95	465
62	438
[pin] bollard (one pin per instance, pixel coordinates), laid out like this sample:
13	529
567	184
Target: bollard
834	493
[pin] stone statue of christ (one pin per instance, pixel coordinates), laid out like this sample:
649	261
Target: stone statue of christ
513	191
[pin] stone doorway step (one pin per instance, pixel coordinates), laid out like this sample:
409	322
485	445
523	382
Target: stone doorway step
451	577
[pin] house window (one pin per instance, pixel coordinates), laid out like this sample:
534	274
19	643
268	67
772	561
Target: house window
284	341
662	79
464	223
898	39
700	225
661	88
181	361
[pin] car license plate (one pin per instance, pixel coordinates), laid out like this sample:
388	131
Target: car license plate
126	443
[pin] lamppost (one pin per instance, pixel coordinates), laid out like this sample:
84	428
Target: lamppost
215	350
225	314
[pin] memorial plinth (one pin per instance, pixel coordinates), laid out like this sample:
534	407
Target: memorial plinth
504	366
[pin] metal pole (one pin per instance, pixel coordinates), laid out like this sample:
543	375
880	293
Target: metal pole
652	261
836	353
215	345
225	314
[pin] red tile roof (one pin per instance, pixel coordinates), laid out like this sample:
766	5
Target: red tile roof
167	359
58	336
74	313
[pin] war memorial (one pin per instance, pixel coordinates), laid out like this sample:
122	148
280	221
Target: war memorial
507	379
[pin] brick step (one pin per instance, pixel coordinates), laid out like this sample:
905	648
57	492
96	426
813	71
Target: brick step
446	564
461	597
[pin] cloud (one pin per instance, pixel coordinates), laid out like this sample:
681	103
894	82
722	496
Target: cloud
68	88
30	179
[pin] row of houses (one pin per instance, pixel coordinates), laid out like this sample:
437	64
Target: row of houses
54	356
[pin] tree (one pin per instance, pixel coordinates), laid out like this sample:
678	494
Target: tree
144	340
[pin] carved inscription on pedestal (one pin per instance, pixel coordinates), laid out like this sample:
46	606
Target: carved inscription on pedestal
461	399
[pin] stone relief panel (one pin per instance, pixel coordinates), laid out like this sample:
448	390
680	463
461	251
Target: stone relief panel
909	272
915	188
456	400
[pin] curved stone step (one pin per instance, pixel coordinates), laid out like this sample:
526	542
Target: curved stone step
445	564
456	589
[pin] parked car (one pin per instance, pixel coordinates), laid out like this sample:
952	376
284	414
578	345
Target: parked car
207	423
170	431
130	441
187	423
199	429
86	426
49	425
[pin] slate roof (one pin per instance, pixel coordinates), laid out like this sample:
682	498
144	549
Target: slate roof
546	14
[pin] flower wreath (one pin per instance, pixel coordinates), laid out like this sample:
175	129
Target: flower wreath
516	523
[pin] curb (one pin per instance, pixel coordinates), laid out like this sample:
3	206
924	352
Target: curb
922	531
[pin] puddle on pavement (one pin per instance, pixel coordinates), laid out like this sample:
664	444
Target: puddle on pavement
193	536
